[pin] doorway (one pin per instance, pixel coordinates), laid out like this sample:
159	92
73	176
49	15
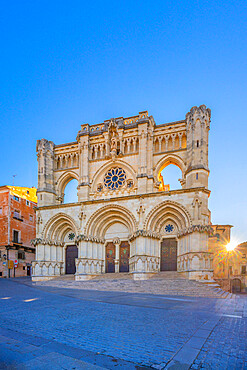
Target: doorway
124	257
236	286
71	255
28	270
168	261
110	257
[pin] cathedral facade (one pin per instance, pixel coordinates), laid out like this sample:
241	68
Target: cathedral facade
126	218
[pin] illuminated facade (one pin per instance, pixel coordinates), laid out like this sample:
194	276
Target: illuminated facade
17	228
126	219
230	266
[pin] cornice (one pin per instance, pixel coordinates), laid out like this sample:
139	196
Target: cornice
126	197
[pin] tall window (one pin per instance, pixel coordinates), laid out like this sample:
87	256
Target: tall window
169	178
243	270
15	236
70	192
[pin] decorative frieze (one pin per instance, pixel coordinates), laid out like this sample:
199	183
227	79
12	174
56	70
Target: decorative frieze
89	238
46	241
195	228
145	233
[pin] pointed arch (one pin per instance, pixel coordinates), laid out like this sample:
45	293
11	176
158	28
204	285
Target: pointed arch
169	159
167	211
106	216
64	179
58	226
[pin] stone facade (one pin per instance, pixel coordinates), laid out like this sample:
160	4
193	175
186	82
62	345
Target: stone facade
126	216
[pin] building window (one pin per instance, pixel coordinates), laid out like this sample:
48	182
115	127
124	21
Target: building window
15	236
197	144
24	267
217	236
27	203
169	228
16	198
27	191
71	236
243	270
1	211
31	218
17	215
21	255
196	176
115	178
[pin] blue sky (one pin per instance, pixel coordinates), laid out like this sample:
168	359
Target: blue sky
64	63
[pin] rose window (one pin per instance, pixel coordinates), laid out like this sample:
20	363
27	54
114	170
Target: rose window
115	178
169	228
71	236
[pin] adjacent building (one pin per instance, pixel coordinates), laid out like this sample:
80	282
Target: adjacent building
229	266
126	218
17	228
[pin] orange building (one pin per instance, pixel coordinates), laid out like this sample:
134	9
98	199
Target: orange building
17	228
229	265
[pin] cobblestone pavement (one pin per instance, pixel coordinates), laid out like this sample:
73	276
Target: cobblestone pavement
44	327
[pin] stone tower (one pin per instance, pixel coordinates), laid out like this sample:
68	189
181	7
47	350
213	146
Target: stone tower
45	155
197	127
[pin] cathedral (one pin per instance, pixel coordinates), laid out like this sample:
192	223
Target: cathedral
126	218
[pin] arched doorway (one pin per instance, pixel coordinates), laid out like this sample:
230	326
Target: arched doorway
236	285
71	255
168	254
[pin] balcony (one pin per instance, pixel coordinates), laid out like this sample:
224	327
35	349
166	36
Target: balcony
17	241
18	217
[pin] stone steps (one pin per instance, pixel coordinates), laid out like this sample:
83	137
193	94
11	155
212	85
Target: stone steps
165	283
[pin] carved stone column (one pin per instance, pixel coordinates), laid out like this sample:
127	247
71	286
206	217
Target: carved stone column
117	243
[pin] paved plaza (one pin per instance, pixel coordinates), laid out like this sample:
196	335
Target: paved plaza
50	327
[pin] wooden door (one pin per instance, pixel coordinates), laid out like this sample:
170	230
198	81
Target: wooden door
110	258
124	257
71	255
236	285
168	255
28	270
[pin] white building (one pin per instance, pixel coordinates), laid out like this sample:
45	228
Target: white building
126	218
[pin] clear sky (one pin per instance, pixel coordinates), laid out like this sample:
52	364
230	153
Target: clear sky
64	63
